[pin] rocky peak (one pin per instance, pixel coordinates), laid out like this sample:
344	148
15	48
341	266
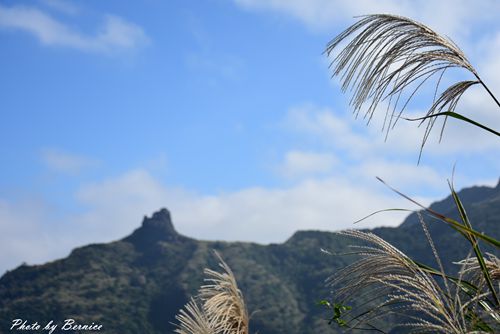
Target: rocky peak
160	221
157	228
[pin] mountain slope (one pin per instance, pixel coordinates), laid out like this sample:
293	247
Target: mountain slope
137	284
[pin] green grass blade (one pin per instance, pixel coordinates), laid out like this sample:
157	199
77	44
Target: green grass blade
456	116
464	229
381	211
453	223
475	245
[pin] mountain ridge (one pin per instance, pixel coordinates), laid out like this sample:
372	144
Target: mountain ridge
138	283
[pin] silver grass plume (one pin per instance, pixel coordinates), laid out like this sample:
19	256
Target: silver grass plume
392	282
391	54
192	319
471	270
470	267
223	301
219	307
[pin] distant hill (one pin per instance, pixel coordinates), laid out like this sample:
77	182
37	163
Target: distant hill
137	284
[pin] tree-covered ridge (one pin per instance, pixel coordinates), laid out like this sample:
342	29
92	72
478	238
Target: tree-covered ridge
138	284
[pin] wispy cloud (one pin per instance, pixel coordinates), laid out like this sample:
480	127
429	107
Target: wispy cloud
63	6
114	207
301	163
362	152
323	14
341	131
65	162
462	22
116	34
25	234
251	214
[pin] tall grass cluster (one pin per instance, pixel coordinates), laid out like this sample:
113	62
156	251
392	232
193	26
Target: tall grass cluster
385	60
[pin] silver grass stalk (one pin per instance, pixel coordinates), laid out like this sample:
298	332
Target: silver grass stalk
219	307
192	319
399	286
470	267
223	300
387	55
471	270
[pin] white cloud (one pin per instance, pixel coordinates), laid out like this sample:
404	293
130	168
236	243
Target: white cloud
65	162
491	64
323	123
463	21
26	234
343	133
116	34
359	141
449	17
35	231
488	67
116	205
300	163
252	214
404	174
65	7
363	154
113	208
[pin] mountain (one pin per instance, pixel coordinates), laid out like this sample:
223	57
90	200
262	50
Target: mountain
137	284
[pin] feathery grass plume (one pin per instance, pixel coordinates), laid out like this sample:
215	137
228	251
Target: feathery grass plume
396	285
392	54
219	307
223	301
192	319
472	271
471	267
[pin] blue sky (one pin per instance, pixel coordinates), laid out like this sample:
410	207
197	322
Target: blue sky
222	111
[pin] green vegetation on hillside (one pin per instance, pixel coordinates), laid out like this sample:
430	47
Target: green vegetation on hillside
138	284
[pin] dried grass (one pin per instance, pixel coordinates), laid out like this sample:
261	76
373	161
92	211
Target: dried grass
219	307
472	270
397	286
389	55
